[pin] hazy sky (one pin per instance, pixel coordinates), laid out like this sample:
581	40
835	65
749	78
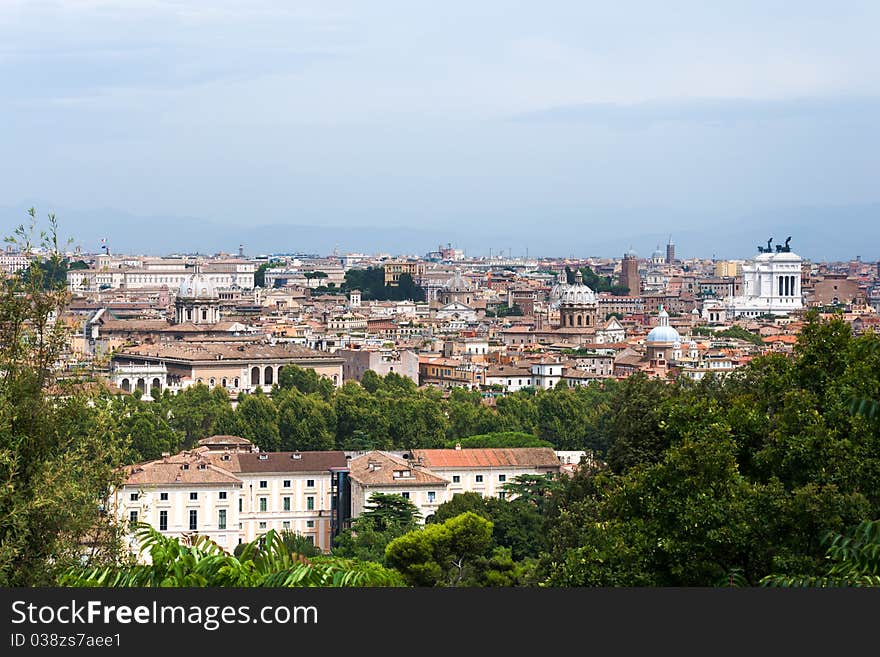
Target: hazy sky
638	117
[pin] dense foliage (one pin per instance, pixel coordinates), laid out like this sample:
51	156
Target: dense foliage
267	561
59	443
371	283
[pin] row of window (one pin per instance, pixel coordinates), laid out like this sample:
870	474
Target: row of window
286	483
194	520
456	479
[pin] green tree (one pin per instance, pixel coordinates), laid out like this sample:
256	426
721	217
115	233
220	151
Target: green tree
306	380
386	517
305	422
59	444
441	554
198	561
259	420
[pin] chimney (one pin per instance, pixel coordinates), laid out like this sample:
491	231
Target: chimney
458	446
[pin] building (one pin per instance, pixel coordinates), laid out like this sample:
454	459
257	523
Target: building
356	362
771	284
198	301
237	367
670	252
835	289
229	491
728	269
395	268
167	273
383	472
486	470
629	274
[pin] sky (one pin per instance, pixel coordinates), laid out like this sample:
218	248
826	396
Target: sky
553	127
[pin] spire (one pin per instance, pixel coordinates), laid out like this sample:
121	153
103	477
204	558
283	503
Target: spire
578	277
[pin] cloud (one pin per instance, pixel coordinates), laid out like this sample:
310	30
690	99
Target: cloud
706	110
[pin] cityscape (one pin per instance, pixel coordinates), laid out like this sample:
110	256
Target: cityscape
279	344
395	295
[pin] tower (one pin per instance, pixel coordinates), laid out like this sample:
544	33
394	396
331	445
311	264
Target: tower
629	273
670	252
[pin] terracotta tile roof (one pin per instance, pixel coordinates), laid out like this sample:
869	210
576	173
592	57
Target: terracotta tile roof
532	457
377	468
183	471
204	351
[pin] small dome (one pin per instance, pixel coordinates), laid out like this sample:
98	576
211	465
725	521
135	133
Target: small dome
457	283
663	334
577	294
197	286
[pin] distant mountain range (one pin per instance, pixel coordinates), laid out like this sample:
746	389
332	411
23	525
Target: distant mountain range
818	233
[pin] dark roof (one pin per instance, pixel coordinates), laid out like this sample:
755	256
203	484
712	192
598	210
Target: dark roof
282	461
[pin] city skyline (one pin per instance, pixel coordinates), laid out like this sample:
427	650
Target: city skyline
572	127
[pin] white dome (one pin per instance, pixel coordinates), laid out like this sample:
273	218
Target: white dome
577	295
663	334
197	286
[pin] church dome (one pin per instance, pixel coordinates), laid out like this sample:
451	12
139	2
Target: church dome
197	286
664	332
457	283
577	294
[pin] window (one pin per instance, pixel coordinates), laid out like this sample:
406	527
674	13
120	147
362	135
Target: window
285	501
310	503
264	483
310	524
479	479
431	496
405	495
502	477
211	381
163	497
133	517
163	521
193	496
262	525
502	495
285	524
222	495
456	479
240	504
263	503
286	483
221	519
134	497
310	483
193	519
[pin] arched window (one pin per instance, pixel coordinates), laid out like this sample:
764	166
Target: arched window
211	381
269	376
204	314
223	382
189	314
255	376
580	320
235	382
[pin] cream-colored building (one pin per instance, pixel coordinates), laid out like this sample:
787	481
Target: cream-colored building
235	366
230	492
382	472
430	477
